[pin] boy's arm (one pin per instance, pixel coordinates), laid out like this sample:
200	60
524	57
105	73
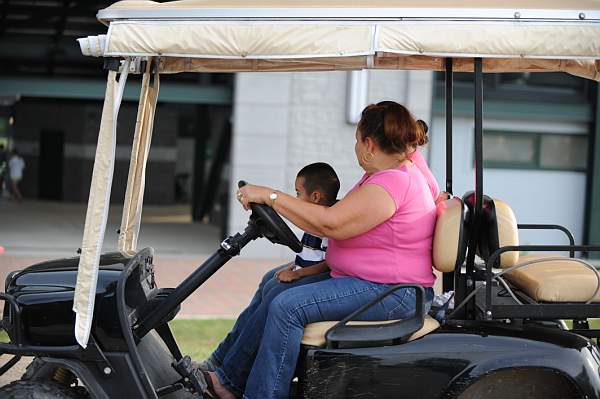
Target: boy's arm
320	267
289	275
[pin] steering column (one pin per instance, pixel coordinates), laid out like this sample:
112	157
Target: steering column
264	222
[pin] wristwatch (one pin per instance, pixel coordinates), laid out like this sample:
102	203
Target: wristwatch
273	197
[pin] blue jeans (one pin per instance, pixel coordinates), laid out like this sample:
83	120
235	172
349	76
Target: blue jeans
289	312
219	354
233	371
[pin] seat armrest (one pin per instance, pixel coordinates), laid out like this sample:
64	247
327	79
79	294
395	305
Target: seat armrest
396	332
551	227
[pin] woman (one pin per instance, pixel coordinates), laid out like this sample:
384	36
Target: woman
380	235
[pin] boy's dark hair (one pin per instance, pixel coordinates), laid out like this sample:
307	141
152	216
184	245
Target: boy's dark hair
321	176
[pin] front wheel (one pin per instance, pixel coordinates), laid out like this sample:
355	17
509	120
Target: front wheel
27	389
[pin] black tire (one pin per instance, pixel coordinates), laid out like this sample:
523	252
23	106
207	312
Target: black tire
27	389
521	384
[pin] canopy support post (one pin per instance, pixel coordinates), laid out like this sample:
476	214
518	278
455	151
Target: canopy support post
478	95
136	180
448	283
449	108
474	225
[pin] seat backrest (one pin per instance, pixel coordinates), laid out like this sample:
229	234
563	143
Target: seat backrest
498	229
450	236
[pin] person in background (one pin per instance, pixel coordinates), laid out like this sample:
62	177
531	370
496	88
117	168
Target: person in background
3	167
16	165
417	158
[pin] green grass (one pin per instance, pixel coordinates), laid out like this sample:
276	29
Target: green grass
594	323
197	338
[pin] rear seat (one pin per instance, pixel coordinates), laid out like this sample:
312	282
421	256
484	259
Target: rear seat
556	280
449	248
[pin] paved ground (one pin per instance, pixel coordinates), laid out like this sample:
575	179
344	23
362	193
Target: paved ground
36	231
39	231
225	294
55	229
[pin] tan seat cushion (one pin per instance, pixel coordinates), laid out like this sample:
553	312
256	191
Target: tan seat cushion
449	241
555	281
314	333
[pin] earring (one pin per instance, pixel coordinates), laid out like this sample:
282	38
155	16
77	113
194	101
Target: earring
368	157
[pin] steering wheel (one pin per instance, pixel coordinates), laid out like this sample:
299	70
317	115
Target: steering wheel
272	226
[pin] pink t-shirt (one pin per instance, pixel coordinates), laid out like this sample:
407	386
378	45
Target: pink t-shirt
420	162
399	249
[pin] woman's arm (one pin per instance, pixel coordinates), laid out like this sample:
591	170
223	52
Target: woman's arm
357	213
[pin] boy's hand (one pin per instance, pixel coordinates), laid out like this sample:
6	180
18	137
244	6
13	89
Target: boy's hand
289	266
288	275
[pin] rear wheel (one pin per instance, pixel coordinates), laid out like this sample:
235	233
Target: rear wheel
28	389
521	384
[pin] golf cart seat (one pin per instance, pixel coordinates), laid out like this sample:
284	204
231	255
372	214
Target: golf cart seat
547	277
449	248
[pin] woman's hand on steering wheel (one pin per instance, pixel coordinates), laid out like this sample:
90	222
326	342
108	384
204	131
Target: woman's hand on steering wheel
253	193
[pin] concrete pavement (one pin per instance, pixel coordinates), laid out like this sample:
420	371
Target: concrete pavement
36	231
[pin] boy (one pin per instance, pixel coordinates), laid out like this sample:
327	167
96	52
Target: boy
316	183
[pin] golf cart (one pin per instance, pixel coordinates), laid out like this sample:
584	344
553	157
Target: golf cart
505	338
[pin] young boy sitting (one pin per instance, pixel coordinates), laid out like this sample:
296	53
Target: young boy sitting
316	183
319	184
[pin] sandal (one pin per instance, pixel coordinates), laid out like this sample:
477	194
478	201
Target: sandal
210	389
204	365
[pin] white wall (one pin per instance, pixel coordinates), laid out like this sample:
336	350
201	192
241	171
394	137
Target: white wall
283	121
536	196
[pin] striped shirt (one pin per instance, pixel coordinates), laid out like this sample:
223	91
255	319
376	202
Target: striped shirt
313	251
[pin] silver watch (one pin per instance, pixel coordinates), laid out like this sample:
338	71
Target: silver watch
273	197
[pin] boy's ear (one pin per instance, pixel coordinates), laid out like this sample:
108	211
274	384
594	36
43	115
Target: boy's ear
316	197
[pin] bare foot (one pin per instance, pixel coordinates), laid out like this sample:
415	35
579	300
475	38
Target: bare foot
220	390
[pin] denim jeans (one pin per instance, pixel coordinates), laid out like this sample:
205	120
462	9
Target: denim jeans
289	312
219	354
233	371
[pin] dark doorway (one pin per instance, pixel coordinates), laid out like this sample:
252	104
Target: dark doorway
51	165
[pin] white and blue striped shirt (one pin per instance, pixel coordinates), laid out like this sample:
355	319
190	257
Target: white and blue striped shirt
313	250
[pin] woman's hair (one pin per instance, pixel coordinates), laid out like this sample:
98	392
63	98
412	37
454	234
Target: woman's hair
392	127
320	176
423	125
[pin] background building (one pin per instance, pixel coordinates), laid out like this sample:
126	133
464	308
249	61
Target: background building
539	132
211	130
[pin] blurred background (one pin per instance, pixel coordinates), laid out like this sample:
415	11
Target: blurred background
540	133
213	129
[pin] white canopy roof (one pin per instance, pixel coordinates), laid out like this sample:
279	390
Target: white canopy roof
238	35
353	9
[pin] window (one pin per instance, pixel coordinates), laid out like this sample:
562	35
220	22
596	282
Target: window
547	87
524	150
509	148
563	152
